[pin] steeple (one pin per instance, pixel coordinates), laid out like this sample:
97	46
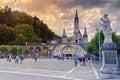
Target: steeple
85	33
64	37
64	33
77	36
76	19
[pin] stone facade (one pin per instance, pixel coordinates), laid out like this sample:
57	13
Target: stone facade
64	37
77	37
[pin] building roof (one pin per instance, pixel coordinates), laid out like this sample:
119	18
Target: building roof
76	15
64	33
85	33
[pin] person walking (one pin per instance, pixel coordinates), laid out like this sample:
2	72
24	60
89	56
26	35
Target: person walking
35	58
75	60
17	59
21	59
84	63
10	58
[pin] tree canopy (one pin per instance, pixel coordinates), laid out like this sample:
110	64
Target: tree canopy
7	34
18	27
93	46
26	33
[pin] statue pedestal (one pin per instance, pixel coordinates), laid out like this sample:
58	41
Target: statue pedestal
109	61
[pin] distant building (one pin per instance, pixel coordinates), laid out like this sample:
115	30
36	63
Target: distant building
77	37
85	37
54	41
64	37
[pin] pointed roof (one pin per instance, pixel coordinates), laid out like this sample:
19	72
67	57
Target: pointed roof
64	33
85	33
76	15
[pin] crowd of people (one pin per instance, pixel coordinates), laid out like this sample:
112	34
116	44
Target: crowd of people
17	59
20	58
80	60
76	59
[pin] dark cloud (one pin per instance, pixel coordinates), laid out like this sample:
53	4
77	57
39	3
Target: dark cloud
116	4
82	3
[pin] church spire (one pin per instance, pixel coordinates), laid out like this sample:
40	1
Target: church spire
64	33
85	33
76	16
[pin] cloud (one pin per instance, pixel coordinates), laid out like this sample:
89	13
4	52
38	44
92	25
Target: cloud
38	5
83	3
14	4
60	13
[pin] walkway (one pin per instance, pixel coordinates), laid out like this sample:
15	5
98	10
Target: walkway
47	69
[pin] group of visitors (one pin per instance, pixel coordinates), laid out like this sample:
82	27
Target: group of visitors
80	59
9	58
18	59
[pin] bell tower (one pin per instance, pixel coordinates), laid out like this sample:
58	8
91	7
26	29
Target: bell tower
85	36
64	37
77	36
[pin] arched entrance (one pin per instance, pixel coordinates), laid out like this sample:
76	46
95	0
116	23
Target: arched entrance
37	51
44	51
68	51
31	51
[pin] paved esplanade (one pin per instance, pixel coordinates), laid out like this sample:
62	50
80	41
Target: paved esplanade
47	69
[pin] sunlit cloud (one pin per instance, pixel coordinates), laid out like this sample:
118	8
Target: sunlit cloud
59	14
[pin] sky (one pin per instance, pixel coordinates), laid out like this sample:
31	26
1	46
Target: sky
59	14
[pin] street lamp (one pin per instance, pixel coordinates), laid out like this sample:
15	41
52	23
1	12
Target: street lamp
26	44
98	30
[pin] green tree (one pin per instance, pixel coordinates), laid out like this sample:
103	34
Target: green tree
5	15
116	40
20	39
19	50
26	51
21	17
6	34
14	19
16	50
27	31
93	45
5	49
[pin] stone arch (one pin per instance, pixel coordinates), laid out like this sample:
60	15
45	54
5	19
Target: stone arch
57	50
45	51
80	51
31	51
38	50
68	51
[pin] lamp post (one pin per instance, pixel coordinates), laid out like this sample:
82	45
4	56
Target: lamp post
98	30
26	44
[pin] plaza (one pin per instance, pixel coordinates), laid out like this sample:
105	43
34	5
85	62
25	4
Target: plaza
48	69
60	44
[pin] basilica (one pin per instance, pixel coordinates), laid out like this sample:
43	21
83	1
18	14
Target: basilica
77	38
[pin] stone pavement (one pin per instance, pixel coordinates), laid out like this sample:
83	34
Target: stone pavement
48	69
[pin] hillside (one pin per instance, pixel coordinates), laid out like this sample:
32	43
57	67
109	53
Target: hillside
18	27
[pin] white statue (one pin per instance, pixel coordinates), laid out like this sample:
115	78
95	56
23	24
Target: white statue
106	28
